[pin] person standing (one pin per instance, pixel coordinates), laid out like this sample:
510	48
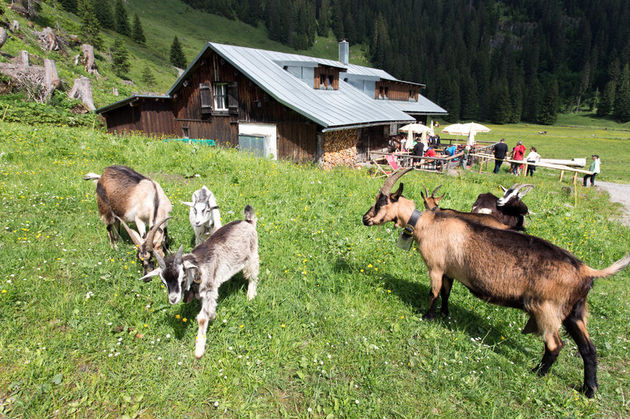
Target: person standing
532	158
418	152
499	150
594	167
517	154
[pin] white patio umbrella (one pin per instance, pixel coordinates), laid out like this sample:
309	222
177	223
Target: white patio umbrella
415	128
469	129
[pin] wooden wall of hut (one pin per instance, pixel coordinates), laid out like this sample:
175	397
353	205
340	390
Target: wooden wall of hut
296	134
397	90
147	115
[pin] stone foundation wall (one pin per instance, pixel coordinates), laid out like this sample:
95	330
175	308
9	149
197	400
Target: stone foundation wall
340	148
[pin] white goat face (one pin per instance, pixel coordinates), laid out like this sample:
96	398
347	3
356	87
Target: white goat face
200	214
172	273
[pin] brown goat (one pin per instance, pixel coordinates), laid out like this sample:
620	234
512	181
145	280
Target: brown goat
124	194
431	203
503	267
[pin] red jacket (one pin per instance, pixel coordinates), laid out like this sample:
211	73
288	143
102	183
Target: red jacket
519	152
430	153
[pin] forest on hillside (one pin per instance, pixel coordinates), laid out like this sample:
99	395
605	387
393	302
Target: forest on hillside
496	60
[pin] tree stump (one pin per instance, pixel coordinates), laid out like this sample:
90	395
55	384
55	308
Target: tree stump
49	40
3	36
51	78
88	59
82	89
23	59
15	26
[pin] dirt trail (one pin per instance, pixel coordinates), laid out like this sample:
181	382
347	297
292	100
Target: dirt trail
619	192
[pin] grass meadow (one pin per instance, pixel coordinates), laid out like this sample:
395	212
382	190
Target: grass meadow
336	329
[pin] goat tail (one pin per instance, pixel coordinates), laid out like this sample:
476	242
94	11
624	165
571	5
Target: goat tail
91	176
250	215
611	270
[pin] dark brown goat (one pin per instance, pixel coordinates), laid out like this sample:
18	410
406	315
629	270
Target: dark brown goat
503	267
431	203
509	209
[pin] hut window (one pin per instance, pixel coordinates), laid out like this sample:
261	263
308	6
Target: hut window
330	85
186	132
322	81
205	98
220	96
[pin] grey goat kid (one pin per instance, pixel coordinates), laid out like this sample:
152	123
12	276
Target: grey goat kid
231	249
204	214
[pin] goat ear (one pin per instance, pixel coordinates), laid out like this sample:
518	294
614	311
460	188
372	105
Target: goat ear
394	197
160	261
179	254
439	198
151	274
188	204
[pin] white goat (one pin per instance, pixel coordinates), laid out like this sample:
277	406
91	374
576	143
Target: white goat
204	214
231	249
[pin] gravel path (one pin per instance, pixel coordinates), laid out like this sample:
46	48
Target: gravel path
619	192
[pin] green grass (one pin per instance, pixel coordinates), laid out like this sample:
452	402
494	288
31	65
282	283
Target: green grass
565	142
160	22
336	327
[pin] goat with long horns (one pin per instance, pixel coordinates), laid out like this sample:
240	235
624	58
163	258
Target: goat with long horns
503	267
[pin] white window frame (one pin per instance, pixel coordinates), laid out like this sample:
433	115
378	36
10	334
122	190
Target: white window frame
219	94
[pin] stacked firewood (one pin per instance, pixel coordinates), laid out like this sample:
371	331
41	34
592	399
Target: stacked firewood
340	149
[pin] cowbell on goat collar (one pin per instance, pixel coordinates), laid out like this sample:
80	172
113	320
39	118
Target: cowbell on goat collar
406	235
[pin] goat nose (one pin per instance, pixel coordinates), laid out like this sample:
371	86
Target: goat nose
366	221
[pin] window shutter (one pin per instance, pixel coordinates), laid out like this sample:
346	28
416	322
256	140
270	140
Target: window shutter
205	98
232	92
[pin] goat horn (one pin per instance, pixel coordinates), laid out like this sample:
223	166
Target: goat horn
434	191
135	237
149	239
392	179
426	191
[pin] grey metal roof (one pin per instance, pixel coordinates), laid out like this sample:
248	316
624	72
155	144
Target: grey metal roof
328	108
422	107
331	109
359	70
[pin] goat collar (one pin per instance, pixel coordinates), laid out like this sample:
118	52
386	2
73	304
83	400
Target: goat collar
406	235
411	224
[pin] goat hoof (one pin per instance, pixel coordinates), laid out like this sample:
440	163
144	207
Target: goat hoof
428	316
589	391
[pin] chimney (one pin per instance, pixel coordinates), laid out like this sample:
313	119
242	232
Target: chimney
344	52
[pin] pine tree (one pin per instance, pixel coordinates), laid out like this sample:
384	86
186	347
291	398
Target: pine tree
138	33
122	21
622	96
89	24
323	18
549	107
177	57
500	103
69	5
147	77
104	13
120	58
607	99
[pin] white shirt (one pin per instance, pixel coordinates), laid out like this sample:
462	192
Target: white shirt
532	156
